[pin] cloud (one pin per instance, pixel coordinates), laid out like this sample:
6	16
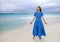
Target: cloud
28	6
8	7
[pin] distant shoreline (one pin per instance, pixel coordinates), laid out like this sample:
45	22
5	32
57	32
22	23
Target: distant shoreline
28	13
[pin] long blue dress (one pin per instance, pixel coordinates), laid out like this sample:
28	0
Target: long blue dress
38	29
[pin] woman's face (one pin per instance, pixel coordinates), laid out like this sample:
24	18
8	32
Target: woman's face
38	9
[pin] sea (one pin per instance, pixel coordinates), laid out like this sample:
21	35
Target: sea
10	21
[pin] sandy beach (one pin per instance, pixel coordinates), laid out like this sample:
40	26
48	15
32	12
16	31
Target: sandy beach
24	34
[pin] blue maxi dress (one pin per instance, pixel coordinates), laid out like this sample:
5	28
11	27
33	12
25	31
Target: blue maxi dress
38	28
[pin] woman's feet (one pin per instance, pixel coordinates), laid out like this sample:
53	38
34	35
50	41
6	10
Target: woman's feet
33	37
40	38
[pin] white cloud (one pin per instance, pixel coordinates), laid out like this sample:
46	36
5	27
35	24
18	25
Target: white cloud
50	4
20	5
8	7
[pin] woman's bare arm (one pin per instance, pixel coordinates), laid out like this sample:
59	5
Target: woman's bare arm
33	19
44	20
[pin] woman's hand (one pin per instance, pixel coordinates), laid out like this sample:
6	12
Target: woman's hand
44	20
46	23
30	22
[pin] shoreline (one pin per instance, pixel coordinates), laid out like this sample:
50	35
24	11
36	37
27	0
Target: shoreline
49	21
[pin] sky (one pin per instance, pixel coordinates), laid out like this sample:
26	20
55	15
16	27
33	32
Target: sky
29	6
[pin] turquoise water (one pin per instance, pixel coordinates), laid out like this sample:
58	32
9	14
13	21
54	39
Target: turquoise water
10	21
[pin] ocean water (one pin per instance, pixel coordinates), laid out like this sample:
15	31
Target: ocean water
9	21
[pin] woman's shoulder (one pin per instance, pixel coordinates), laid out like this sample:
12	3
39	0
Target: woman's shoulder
35	12
41	12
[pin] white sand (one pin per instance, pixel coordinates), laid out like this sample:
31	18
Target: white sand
24	34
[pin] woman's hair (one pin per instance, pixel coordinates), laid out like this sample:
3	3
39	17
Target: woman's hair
39	8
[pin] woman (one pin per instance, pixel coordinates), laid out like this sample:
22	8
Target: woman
38	29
